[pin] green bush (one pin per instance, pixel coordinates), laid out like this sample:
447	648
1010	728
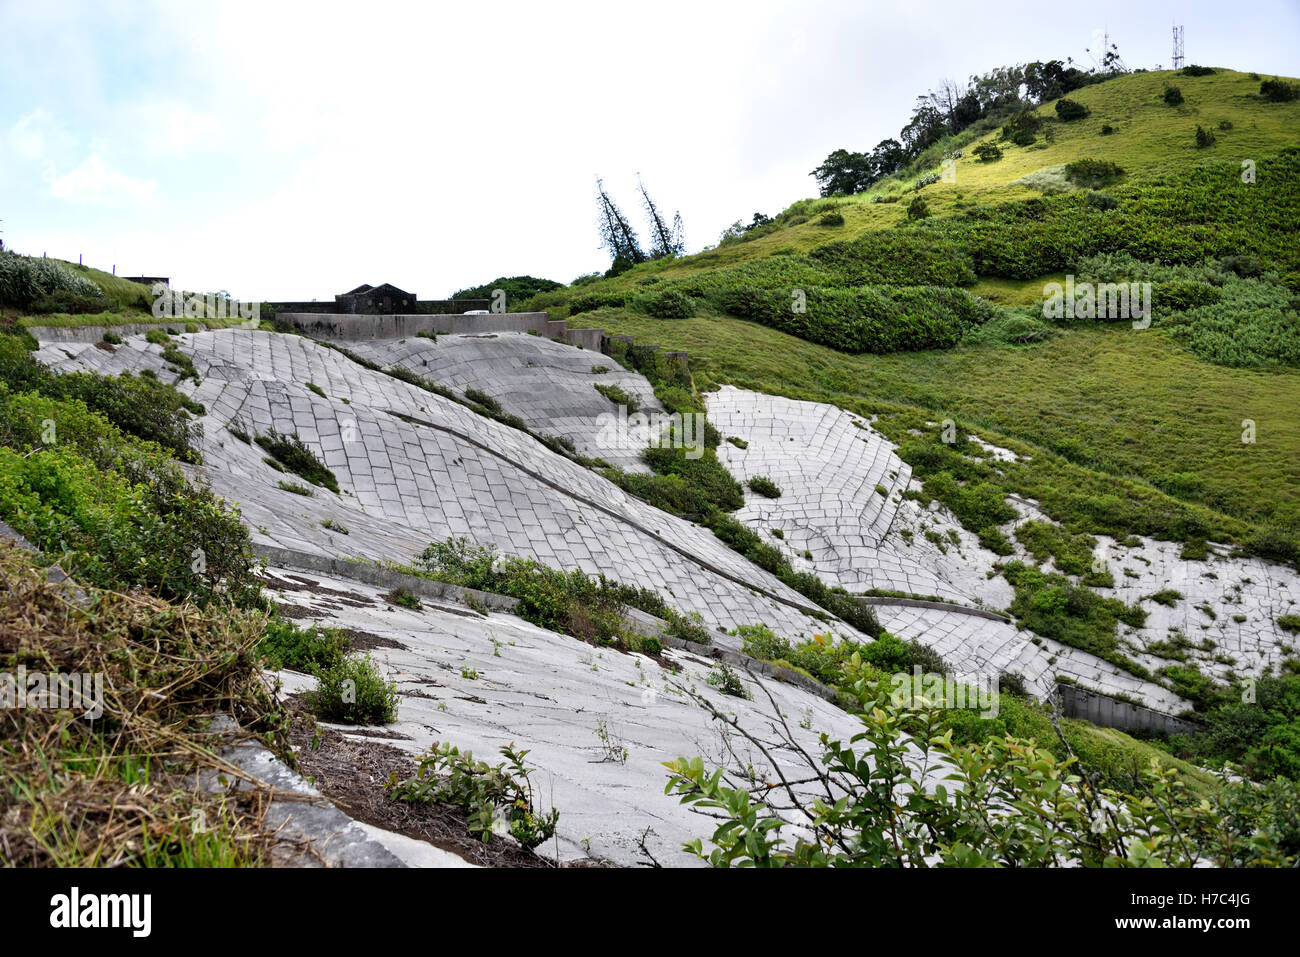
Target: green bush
762	485
1173	96
309	650
670	304
918	208
1049	605
1012	803
1102	201
479	397
1011	327
71	303
404	598
447	776
352	691
618	395
1279	91
115	511
290	452
880	319
593	300
902	257
1092	173
831	219
1204	138
1020	129
25	279
1069	110
987	152
589	609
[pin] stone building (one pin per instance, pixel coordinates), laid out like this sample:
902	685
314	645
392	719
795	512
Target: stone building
382	300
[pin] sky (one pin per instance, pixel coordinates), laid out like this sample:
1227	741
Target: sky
293	151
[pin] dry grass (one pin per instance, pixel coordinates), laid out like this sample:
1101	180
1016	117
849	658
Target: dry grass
122	790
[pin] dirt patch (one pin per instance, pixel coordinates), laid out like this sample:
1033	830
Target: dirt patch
298	611
365	641
352	775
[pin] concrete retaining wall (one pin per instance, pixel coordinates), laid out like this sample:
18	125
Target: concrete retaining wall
927	603
349	327
1110	712
95	333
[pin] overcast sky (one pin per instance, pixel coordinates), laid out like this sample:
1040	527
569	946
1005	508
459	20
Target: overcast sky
286	151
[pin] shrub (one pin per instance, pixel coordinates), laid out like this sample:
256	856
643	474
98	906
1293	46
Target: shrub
761	485
594	300
1049	605
831	219
1173	96
71	303
309	650
404	598
1167	597
618	395
1108	130
481	398
1195	70
1011	803
688	627
352	691
1204	138
26	279
447	776
988	152
670	304
1069	110
1092	173
918	208
589	609
115	511
1102	201
724	678
290	452
903	257
879	319
1279	91
1022	127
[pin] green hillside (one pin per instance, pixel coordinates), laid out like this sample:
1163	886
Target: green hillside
1127	431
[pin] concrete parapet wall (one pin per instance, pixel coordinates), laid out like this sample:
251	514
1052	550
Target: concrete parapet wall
1111	712
96	333
354	327
929	603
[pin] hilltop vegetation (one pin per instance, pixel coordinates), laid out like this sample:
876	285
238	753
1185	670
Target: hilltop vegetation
951	302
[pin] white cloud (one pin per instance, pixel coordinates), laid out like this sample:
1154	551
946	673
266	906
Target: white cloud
93	182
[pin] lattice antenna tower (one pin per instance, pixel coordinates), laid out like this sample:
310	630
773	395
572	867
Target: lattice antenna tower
1178	48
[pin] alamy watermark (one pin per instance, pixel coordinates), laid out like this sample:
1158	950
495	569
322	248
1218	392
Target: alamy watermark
1103	300
169	304
977	692
54	691
658	430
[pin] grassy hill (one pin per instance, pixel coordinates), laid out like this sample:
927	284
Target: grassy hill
1127	431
